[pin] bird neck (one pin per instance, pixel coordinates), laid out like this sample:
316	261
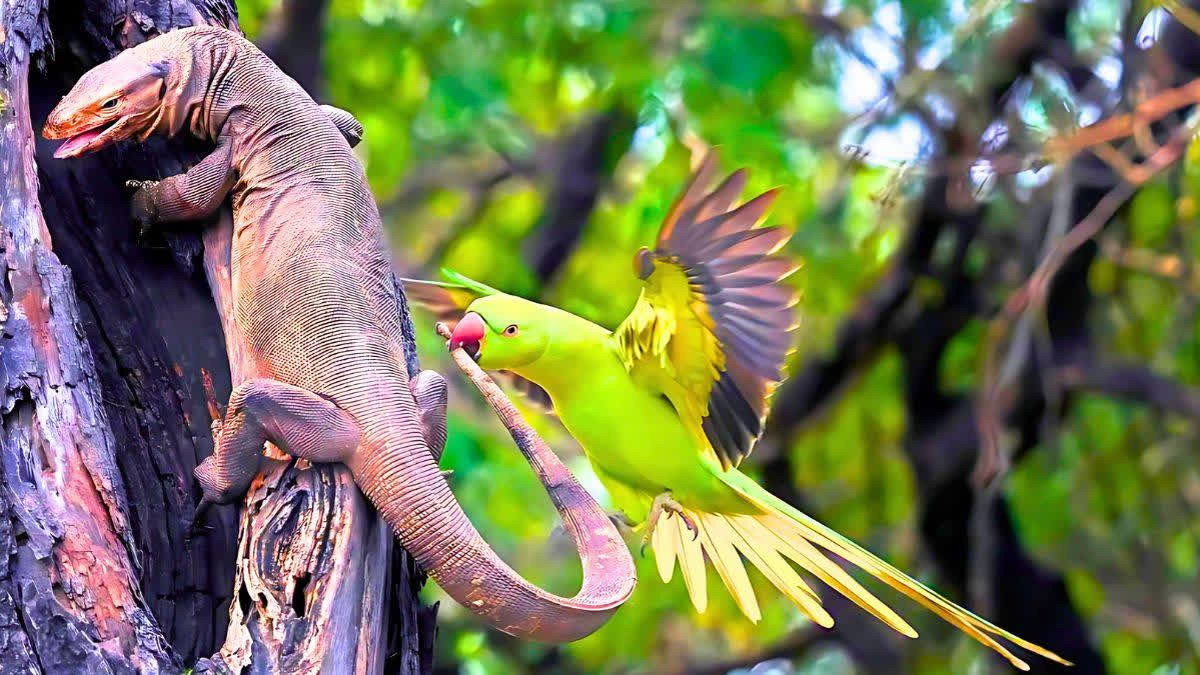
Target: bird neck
572	359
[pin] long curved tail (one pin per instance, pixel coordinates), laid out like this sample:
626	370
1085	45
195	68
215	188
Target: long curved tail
778	533
413	498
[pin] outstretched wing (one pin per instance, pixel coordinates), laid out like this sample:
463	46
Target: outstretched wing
713	324
447	300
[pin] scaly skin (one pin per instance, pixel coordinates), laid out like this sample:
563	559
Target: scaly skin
314	297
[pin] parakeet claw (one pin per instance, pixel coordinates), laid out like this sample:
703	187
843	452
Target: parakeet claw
622	522
691	525
665	506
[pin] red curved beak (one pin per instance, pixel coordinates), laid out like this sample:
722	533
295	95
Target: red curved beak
468	334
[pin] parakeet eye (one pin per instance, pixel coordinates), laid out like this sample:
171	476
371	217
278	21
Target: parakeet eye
110	103
511	330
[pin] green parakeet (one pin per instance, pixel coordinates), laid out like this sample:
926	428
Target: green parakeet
667	405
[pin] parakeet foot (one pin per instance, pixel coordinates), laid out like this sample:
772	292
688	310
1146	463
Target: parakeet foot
665	506
619	520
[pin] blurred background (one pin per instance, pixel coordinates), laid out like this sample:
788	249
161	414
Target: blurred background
996	382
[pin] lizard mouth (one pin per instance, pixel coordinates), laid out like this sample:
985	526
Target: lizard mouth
91	139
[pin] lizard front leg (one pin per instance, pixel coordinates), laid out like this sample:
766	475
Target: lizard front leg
191	195
346	122
296	420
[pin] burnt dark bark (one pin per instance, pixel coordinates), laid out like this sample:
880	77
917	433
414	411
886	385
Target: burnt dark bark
104	346
71	598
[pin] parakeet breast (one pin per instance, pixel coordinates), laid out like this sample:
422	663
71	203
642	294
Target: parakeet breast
631	433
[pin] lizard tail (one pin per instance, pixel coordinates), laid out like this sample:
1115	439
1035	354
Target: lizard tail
416	502
775	533
413	497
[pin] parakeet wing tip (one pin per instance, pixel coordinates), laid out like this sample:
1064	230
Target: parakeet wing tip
732	267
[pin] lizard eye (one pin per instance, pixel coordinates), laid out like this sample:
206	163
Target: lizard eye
511	330
109	104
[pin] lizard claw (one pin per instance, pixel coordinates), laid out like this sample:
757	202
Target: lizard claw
142	208
143	232
197	526
196	530
135	185
215	428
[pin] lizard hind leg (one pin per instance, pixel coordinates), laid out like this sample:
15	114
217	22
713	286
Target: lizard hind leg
296	420
346	123
430	391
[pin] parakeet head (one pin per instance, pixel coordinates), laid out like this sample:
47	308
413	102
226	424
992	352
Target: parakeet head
503	332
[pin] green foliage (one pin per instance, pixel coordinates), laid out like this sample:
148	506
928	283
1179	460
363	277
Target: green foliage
1151	214
455	90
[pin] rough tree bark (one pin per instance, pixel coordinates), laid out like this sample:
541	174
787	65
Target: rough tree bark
70	593
111	354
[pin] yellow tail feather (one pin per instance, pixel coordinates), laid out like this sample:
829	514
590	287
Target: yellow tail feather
766	539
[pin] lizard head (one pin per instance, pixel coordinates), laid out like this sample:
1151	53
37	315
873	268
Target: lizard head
503	332
158	86
111	102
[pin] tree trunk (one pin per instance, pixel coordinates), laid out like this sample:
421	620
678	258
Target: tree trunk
71	599
104	346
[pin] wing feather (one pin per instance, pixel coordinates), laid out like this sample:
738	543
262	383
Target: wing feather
713	324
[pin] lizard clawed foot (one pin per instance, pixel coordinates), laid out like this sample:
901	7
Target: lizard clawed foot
198	527
665	506
215	428
135	185
142	209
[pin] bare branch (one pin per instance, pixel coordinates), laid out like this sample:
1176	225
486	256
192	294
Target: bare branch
1132	382
293	38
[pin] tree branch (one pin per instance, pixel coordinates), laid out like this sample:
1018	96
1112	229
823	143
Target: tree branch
579	170
293	38
1132	382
